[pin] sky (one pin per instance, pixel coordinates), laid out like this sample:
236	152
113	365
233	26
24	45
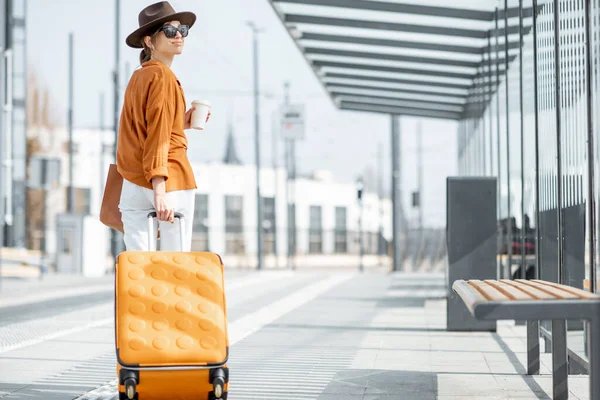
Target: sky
217	66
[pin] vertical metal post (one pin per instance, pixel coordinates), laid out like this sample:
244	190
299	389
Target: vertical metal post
3	22
490	90
558	140
499	150
396	199
591	203
7	222
380	248
509	222
359	190
533	347
538	239
522	129
71	199
560	372
101	149
481	118
288	202
420	175
114	235
291	179
594	355
259	216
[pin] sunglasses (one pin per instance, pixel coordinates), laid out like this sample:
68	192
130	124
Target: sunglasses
171	31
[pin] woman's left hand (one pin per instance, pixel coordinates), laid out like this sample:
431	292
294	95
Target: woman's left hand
187	120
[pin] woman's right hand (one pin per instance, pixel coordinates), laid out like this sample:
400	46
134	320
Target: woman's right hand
163	212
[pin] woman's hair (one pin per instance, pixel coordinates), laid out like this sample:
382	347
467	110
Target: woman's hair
146	53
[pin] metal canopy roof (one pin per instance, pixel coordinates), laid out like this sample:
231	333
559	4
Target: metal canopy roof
405	58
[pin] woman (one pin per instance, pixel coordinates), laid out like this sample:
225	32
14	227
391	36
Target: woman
152	145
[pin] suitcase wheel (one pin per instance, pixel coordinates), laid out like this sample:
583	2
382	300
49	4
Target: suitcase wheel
218	386
218	378
130	388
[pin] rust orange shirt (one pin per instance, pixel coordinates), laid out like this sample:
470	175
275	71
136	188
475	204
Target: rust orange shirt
151	140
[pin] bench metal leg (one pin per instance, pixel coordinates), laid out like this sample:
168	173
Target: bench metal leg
533	347
560	371
594	357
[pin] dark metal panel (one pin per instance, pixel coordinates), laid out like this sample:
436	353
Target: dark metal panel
411	101
413	71
386	26
391	57
415	112
396	90
471	239
372	79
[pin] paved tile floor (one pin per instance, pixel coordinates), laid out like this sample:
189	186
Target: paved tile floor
333	335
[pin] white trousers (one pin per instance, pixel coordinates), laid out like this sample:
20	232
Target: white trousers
135	205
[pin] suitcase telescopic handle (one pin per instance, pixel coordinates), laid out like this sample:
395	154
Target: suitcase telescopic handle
152	235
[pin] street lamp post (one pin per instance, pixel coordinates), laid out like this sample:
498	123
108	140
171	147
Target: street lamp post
359	193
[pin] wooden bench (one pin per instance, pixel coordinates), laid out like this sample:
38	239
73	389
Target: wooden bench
532	301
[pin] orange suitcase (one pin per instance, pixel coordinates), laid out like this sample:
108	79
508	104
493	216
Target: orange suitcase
171	324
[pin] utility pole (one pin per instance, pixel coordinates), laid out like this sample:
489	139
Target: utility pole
420	189
380	195
286	101
4	22
396	193
359	197
113	233
101	150
71	200
420	174
259	213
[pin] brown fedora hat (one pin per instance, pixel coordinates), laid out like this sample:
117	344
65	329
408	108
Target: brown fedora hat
154	16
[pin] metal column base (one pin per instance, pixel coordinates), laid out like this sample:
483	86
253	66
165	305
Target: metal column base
533	347
594	357
560	366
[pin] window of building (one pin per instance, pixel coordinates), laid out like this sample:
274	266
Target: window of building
291	228
234	225
341	230
315	230
269	225
82	200
200	236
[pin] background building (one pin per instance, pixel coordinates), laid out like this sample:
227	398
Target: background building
327	211
13	146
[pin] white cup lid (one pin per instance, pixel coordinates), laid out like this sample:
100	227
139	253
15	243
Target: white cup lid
201	102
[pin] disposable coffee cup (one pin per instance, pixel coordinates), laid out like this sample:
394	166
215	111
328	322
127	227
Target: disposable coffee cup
200	113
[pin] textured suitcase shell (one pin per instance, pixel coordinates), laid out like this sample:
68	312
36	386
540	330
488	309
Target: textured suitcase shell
170	309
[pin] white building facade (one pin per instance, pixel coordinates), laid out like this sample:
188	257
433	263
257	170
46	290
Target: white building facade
225	219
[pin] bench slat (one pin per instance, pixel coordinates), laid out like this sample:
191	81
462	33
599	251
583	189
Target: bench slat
469	294
532	291
489	292
582	294
510	291
560	294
